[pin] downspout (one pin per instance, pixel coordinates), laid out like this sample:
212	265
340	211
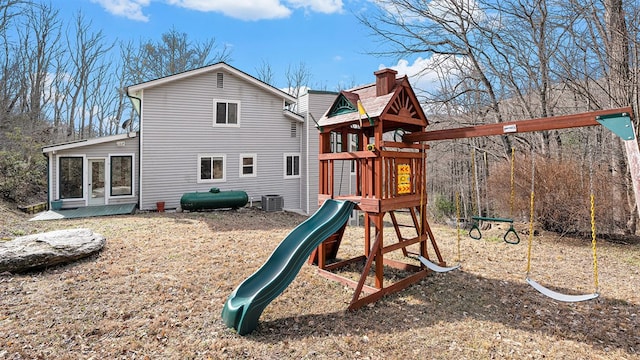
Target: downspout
48	157
139	111
300	148
306	130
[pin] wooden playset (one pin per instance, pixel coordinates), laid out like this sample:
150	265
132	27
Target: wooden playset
390	176
381	129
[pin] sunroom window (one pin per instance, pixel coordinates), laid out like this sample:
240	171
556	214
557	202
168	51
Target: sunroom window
121	175
71	177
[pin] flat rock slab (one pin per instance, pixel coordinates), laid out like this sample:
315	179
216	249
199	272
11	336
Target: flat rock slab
40	250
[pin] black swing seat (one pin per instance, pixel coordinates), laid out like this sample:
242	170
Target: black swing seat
559	296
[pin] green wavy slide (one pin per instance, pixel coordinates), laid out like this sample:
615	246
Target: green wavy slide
246	303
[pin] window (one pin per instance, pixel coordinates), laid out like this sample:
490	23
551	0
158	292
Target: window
294	129
121	175
211	168
291	165
336	142
248	165
226	113
71	178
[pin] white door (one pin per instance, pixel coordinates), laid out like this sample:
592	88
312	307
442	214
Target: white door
96	182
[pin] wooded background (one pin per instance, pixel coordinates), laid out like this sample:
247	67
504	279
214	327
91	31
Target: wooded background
507	60
495	60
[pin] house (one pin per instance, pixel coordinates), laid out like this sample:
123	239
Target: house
215	126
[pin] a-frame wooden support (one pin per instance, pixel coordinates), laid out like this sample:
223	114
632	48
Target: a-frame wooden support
371	285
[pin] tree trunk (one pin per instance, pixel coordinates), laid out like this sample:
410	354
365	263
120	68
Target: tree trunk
617	44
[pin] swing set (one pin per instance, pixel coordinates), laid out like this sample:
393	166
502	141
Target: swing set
390	175
618	121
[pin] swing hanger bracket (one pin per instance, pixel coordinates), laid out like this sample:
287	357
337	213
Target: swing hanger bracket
620	124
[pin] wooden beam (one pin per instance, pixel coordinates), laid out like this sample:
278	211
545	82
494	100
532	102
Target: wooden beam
398	286
513	127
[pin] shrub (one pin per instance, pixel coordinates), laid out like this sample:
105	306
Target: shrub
443	207
23	169
562	194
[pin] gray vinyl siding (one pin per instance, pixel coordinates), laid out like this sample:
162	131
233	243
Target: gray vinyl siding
177	126
314	103
96	151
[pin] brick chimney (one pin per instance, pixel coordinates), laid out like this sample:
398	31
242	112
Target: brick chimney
385	81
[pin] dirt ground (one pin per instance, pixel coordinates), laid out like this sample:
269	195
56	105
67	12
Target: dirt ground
157	289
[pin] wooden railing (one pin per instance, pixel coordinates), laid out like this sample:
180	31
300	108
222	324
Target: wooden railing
387	176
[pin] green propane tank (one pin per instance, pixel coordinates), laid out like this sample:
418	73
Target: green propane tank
213	199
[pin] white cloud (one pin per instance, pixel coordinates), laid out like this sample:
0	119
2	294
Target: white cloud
322	6
239	9
453	10
131	9
421	73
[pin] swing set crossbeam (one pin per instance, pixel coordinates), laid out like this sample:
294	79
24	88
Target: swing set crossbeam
592	118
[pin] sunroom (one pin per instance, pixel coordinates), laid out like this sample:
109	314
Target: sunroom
93	172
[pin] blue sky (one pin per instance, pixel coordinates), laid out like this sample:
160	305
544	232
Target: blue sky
323	34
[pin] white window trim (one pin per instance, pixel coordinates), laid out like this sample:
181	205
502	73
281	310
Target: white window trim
133	177
224	168
284	162
215	112
255	165
85	177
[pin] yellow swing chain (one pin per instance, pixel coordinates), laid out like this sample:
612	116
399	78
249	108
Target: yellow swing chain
593	227
474	190
532	212
458	224
594	242
513	181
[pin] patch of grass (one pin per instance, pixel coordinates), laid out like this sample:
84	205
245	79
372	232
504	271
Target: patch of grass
492	238
633	260
18	232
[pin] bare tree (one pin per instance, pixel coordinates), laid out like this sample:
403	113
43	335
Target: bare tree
456	31
297	77
598	69
29	49
617	50
524	44
44	24
86	52
510	59
265	72
10	82
173	54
